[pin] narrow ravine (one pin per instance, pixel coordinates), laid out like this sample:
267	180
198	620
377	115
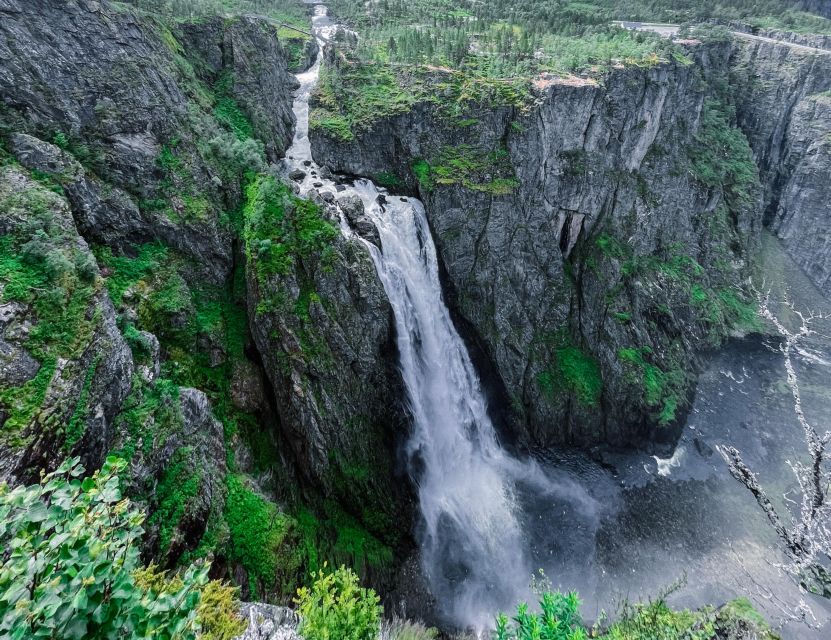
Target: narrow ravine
473	551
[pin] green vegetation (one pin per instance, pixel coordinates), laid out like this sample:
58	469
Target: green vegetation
72	568
178	486
279	229
182	200
289	12
722	156
42	266
573	371
474	169
352	96
262	539
791	20
227	111
497	40
462	55
663	390
388	180
335	606
559	619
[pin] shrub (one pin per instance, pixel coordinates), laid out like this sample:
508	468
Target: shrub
335	607
558	619
72	571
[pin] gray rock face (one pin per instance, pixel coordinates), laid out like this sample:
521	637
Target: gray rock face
118	92
267	622
803	210
783	108
85	373
532	272
353	209
238	48
324	329
103	213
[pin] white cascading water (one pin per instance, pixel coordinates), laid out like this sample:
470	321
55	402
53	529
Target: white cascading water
473	550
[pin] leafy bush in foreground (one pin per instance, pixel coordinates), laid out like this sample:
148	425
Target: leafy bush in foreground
71	568
559	619
335	607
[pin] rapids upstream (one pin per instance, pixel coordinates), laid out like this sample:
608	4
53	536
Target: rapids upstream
615	526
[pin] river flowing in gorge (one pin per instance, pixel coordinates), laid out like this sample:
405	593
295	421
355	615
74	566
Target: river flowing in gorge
613	525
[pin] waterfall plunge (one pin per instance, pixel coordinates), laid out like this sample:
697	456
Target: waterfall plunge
472	544
473	548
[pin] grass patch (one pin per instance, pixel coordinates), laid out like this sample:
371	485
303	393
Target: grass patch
662	390
262	539
574	371
484	171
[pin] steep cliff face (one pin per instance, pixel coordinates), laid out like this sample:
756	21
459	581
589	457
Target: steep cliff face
782	95
139	139
322	322
64	366
117	90
593	243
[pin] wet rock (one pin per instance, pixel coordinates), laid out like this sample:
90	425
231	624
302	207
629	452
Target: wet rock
268	622
339	188
16	364
297	175
382	199
317	185
325	173
353	208
704	449
327	196
247	387
308	163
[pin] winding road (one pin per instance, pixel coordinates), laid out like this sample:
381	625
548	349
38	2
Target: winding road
670	30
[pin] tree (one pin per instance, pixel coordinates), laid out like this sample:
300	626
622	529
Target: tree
804	531
71	568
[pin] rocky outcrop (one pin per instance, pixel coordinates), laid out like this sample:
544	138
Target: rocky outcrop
803	207
323	325
64	367
187	458
117	91
782	96
267	622
229	54
104	214
585	255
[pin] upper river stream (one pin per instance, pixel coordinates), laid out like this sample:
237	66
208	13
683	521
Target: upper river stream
614	526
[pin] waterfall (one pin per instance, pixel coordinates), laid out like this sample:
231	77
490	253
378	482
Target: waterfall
473	549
